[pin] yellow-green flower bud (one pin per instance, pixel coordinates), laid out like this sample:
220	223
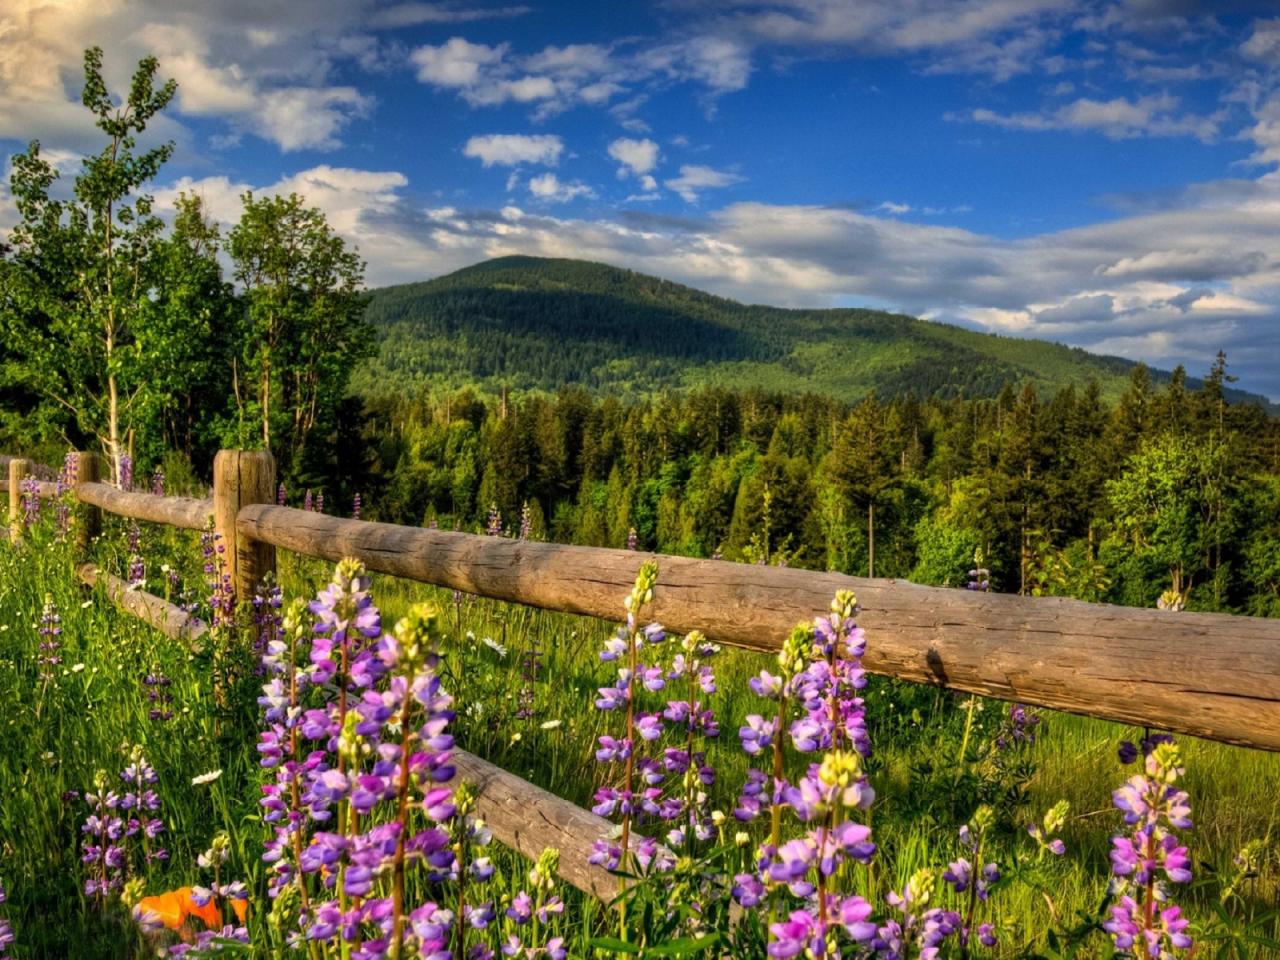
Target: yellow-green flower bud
1056	818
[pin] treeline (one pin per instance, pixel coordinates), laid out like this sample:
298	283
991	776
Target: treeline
120	331
1170	489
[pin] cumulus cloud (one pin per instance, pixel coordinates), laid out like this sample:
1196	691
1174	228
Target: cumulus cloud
549	187
265	70
637	158
512	149
301	117
456	63
694	178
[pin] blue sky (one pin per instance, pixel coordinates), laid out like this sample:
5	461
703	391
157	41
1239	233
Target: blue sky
1099	172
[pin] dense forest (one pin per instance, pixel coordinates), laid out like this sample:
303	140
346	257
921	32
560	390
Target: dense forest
533	323
1168	489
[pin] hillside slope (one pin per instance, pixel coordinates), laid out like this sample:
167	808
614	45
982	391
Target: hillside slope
532	323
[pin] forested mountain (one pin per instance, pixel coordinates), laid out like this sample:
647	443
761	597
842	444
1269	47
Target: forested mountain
532	323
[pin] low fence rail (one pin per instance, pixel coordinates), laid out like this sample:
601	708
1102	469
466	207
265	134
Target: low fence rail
1215	676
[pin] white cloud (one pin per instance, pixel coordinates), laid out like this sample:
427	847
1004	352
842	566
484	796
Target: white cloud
1120	118
301	117
549	187
511	149
457	63
414	14
259	70
894	208
1264	41
696	177
638	158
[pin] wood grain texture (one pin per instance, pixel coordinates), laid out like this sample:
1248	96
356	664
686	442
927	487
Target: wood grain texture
39	470
1210	675
528	819
18	469
89	518
185	512
240	478
171	620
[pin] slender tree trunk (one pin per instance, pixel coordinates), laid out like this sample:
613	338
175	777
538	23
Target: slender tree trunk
871	538
266	402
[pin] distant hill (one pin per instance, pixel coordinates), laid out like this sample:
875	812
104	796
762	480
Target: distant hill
531	323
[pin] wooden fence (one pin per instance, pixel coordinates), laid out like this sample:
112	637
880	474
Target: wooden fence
1215	676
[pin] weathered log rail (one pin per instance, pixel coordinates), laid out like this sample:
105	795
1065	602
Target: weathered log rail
1214	676
1210	675
184	512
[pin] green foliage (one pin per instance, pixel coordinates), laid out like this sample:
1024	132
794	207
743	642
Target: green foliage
76	289
530	323
122	333
302	327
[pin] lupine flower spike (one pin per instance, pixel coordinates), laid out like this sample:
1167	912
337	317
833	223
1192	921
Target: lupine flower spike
1148	857
820	679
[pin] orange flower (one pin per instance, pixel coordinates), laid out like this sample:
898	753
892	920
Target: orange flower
175	907
209	913
167	907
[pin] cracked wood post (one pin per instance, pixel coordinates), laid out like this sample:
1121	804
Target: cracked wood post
88	470
18	469
242	477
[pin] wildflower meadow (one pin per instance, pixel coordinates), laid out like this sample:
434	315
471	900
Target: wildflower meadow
286	786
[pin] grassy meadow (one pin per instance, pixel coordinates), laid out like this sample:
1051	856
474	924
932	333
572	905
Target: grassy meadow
95	705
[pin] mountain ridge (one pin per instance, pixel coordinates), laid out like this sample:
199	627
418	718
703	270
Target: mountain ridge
536	323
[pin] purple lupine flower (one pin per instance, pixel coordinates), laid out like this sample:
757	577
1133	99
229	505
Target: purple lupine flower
50	632
222	601
634	676
30	498
117	824
979	576
7	938
925	930
281	495
355	506
157	482
157	685
320	502
64	485
126	472
820	678
307	503
493	526
633	541
530	671
1019	728
526	522
379	747
1150	854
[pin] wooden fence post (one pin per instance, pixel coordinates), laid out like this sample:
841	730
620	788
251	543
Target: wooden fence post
18	470
242	477
88	470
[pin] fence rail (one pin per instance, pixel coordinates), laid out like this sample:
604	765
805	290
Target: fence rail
1215	676
184	512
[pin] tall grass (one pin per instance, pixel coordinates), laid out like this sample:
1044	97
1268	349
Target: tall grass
58	734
